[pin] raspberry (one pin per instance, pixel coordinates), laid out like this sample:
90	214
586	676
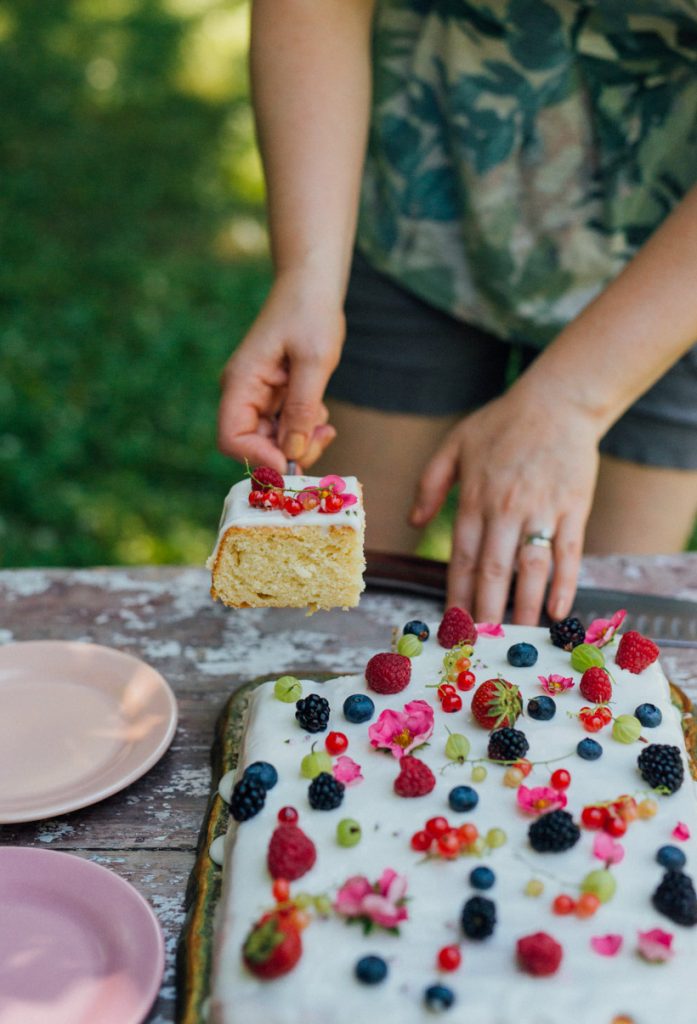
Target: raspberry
567	634
507	745
539	954
596	686
636	652
478	918
415	778
388	673
661	766
554	832
676	898
264	477
457	627
291	853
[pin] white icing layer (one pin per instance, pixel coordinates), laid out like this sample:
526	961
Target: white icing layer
489	989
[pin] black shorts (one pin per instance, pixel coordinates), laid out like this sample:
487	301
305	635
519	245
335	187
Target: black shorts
403	355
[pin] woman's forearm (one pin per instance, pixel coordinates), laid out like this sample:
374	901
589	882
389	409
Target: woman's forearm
310	65
633	331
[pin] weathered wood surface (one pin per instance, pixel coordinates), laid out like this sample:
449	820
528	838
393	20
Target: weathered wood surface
147	834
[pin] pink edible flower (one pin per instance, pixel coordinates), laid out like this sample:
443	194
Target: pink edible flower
601	631
607	945
489	629
555	684
337	485
681	832
656	946
605	848
382	904
540	799
347	771
401	731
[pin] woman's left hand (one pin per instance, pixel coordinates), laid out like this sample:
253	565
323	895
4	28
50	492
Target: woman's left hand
526	465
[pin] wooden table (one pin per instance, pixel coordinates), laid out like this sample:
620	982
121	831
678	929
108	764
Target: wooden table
147	834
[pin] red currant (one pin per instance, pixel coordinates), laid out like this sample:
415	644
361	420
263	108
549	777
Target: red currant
524	766
449	958
446	690
468	834
452	703
587	904
593	723
627	809
462	664
309	500
292	506
615	826
605	713
281	890
331	503
421	841
561	779
466	680
437	826
288	815
594	817
449	843
564	904
336	742
256	498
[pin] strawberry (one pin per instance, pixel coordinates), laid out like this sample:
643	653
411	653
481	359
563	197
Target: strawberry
272	947
539	954
596	685
457	627
265	477
291	853
415	778
635	652
496	703
388	673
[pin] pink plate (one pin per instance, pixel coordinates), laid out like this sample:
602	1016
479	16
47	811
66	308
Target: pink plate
78	944
78	722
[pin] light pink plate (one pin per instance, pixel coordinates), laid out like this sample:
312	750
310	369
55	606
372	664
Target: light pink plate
78	722
78	944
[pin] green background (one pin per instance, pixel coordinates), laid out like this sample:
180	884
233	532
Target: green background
133	257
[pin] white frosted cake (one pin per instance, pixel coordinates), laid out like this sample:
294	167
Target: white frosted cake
290	542
534	895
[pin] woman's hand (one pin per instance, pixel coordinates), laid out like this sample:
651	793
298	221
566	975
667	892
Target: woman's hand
526	464
271	407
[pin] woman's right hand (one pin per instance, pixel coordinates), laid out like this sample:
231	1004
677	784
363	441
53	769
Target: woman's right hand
271	407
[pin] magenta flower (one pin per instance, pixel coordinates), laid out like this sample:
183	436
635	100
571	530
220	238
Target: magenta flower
540	799
605	848
656	946
337	485
601	631
489	629
347	771
382	903
555	684
607	945
401	731
681	832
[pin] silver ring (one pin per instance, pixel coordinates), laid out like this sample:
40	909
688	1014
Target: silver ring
540	538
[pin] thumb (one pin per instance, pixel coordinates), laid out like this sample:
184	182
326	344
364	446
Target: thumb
303	410
436	480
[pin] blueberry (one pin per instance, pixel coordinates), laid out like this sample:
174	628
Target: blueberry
419	629
439	998
541	708
359	708
263	772
649	715
463	798
671	857
371	970
522	655
482	877
589	750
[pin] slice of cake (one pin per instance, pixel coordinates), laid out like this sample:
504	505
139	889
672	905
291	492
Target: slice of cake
290	542
504	834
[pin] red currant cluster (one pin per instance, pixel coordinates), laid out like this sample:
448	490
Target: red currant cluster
439	838
296	502
615	817
595	719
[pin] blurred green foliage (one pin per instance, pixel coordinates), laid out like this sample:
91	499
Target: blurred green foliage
132	259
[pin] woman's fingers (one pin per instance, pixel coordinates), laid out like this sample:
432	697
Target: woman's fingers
437	479
495	569
568	549
533	565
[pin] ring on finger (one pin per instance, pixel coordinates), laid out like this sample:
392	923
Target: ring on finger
539	538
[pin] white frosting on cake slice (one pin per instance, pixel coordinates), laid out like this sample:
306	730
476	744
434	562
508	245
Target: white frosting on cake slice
589	988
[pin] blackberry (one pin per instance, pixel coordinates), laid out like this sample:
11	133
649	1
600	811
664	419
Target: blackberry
248	798
661	766
507	744
567	633
312	712
554	832
541	708
522	655
478	917
325	792
676	898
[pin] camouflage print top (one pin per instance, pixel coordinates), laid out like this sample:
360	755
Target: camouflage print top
522	150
